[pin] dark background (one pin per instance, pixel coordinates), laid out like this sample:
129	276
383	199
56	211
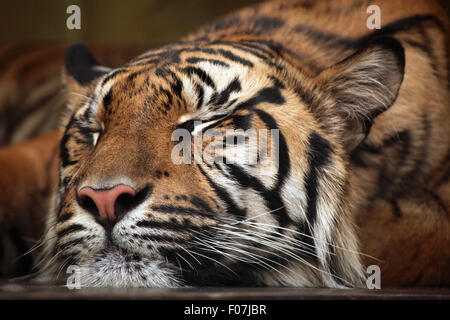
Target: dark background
113	22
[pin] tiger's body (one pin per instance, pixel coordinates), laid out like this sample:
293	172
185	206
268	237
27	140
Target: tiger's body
363	138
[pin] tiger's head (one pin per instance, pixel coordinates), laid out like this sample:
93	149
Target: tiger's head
213	164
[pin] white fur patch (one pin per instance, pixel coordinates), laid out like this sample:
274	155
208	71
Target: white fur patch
114	268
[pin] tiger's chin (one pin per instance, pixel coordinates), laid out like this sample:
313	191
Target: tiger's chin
115	268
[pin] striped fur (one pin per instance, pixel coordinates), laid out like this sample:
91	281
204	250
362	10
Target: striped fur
360	138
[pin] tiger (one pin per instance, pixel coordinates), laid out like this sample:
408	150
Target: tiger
352	155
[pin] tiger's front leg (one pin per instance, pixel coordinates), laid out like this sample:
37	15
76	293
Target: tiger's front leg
27	176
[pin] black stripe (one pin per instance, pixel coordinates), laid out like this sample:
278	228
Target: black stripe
280	50
403	25
356	154
249	48
326	38
70	229
427	50
83	134
271	197
332	40
169	54
284	164
146	62
158	238
182	210
81	130
181	197
164	73
229	55
132	76
310	98
222	97
70	244
305	237
242	121
318	156
176	87
112	75
212	61
426	47
170	225
256	47
200	93
234	139
277	82
239	121
64	151
231	206
201	74
272	95
385	180
444	179
168	94
438	201
269	95
267	23
200	203
64	217
444	164
396	211
402	137
225	23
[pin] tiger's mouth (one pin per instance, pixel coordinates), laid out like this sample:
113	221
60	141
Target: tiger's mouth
115	267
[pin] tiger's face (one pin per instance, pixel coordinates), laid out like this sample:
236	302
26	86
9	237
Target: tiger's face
207	165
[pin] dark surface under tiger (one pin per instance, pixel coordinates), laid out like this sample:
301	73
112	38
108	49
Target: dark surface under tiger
9	290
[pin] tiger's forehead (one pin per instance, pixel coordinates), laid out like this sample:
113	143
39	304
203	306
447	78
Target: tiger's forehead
197	82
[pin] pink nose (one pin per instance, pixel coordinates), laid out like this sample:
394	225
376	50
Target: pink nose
105	200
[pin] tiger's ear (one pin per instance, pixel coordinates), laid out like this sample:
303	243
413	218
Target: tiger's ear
81	69
363	86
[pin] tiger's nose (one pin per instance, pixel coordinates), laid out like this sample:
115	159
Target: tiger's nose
109	204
